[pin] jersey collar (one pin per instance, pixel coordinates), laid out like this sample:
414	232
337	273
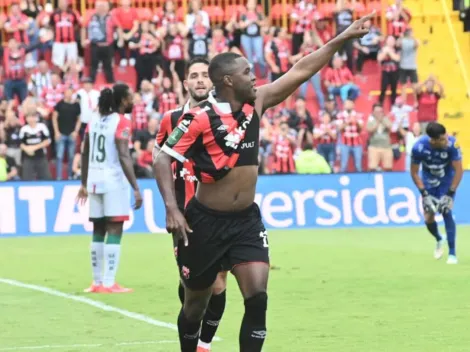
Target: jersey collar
186	107
223	107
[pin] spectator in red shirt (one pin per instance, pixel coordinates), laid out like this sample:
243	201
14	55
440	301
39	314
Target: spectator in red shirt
428	101
311	43
146	44
54	93
325	134
219	43
278	54
127	25
350	124
283	151
340	81
65	22
302	16
175	51
144	161
389	60
398	19
17	24
251	39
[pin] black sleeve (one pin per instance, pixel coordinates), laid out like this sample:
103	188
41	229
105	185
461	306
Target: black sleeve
79	110
45	135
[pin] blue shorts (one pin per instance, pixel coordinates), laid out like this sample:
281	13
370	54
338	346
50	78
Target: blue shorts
439	191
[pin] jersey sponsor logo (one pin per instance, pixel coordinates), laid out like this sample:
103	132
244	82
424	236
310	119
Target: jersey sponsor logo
248	145
234	138
186	175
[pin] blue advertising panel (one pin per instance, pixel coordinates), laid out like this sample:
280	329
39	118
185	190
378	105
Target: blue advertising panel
286	202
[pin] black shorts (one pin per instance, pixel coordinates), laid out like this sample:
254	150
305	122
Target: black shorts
219	242
408	75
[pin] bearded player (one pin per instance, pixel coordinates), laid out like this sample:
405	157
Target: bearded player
222	225
198	84
107	171
441	161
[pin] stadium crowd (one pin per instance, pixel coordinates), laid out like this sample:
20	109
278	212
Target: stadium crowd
51	58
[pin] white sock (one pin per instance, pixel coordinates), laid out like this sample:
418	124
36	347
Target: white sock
207	346
111	258
97	255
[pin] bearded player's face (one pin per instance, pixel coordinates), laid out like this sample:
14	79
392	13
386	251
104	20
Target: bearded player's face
129	102
198	83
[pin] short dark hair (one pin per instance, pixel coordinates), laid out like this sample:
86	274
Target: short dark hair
110	99
221	65
197	60
435	130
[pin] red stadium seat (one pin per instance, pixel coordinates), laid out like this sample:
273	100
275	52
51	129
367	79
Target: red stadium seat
277	11
216	13
327	10
359	9
375	5
233	10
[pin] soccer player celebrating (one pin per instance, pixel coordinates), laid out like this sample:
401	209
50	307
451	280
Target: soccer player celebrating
441	160
222	226
198	84
107	170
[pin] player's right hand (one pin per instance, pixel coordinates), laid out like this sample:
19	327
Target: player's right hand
176	224
82	195
429	204
138	199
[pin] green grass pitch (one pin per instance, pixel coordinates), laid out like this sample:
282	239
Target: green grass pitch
364	290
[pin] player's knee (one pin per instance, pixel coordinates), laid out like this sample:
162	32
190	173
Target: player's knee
257	305
220	284
429	218
194	310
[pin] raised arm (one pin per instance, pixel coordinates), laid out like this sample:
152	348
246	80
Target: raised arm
276	92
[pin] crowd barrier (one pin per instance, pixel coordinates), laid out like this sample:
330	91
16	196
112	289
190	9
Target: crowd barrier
286	202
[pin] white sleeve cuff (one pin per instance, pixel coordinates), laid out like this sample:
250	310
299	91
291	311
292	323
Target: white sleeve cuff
173	154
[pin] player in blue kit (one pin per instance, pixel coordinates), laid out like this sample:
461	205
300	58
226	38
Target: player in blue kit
441	161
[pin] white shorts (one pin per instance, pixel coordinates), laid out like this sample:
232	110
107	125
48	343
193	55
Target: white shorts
64	52
113	206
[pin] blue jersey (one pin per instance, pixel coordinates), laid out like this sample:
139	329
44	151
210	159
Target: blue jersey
437	170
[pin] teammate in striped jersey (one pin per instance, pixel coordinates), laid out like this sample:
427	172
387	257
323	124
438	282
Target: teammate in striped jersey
198	84
107	171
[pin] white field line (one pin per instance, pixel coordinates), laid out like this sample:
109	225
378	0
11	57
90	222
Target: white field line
96	304
90	345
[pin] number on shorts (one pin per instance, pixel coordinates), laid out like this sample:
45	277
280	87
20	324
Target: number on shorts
99	145
264	236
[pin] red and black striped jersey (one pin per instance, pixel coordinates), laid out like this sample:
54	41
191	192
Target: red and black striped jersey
64	24
215	139
185	180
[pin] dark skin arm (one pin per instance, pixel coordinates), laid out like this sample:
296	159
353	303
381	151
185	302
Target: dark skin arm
175	221
127	165
274	93
82	192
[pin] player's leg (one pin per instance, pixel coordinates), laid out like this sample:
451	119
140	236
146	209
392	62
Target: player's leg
451	233
116	211
97	244
431	225
253	282
214	312
249	258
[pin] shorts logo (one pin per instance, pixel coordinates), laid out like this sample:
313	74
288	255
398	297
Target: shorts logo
261	334
185	272
176	251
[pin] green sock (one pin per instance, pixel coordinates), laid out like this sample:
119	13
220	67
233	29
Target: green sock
98	238
113	239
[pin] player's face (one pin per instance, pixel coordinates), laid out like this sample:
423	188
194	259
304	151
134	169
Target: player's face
244	81
439	143
128	103
198	83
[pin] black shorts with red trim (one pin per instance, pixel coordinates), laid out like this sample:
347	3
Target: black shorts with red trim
219	242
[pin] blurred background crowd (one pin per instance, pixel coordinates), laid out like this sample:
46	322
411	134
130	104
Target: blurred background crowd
362	113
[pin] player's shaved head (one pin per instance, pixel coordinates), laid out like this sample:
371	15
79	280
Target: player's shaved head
222	65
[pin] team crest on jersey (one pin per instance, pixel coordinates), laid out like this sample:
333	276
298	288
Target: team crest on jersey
125	133
444	155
